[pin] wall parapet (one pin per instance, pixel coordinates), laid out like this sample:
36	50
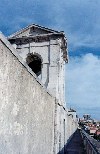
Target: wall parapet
91	145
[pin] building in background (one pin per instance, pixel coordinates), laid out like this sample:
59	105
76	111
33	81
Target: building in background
87	117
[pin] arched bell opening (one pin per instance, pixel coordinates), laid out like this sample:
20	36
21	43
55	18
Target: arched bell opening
35	63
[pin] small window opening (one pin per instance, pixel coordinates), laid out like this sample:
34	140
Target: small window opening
34	62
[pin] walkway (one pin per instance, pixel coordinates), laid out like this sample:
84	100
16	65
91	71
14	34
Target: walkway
75	146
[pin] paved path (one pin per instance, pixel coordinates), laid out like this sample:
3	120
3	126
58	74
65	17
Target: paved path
75	146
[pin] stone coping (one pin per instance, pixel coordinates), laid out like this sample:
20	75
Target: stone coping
95	144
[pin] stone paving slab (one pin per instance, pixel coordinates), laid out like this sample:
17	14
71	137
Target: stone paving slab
75	146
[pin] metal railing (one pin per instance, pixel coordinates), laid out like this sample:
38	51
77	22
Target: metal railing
92	146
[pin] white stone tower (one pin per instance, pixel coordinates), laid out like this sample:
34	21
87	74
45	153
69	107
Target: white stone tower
44	50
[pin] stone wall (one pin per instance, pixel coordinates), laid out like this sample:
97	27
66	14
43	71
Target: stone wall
65	126
31	120
52	74
26	109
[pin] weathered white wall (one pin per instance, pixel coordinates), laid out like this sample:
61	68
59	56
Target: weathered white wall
26	109
31	120
65	126
52	64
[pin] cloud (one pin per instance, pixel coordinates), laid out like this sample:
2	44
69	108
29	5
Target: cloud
83	83
79	19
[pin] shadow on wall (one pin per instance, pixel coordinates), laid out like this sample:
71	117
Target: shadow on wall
64	149
74	145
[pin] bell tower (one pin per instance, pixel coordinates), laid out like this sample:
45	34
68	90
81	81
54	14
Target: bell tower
45	52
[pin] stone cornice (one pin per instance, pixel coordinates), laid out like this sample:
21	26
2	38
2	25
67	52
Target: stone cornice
42	38
36	38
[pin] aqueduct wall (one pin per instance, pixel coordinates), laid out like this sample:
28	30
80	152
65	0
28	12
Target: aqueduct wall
31	120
